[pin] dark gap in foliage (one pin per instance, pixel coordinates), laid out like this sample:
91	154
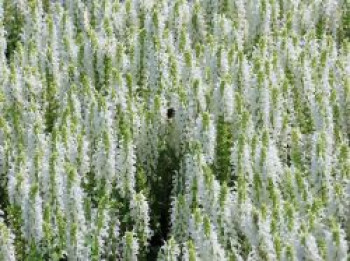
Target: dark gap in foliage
4	200
160	205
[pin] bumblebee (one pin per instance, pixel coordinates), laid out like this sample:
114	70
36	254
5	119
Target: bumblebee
170	113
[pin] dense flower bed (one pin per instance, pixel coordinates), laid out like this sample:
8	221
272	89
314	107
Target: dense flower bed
174	130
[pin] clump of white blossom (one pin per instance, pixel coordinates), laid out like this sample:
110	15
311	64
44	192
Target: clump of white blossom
174	130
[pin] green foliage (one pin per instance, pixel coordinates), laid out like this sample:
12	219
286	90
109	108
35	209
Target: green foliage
13	23
222	163
186	130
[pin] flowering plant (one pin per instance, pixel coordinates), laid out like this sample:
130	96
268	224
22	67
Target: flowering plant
174	130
